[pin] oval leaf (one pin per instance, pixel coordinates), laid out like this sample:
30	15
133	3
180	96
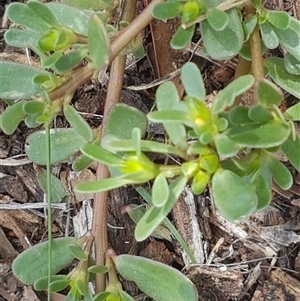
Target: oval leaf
32	264
268	94
97	153
223	44
166	97
154	215
280	19
290	37
292	65
217	19
64	143
192	80
78	123
291	150
77	252
11	117
269	36
121	120
159	281
226	97
280	173
66	15
98	42
160	191
182	37
281	77
234	199
168	10
23	75
258	136
43	12
260	114
23	15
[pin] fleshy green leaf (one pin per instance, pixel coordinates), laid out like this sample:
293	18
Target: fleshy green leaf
258	136
66	15
291	150
23	75
91	4
97	153
260	114
160	191
102	185
192	80
287	81
167	10
182	37
32	264
217	19
248	26
64	143
292	65
59	285
154	215
223	44
122	118
43	12
239	115
57	190
69	61
21	38
262	186
293	113
225	146
290	37
78	123
11	117
268	94
167	279
269	36
146	146
101	269
42	283
233	198
280	173
226	97
102	296
23	15
81	162
166	97
77	252
98	42
33	107
280	19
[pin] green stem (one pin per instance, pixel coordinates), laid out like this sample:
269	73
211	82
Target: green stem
49	209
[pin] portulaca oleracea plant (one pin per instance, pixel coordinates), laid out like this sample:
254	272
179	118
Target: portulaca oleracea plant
228	146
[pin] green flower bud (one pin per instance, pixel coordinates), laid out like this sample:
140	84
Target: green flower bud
200	182
190	12
141	165
189	169
57	39
209	163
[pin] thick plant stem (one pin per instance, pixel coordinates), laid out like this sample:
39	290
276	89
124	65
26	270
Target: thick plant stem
242	68
99	228
255	48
